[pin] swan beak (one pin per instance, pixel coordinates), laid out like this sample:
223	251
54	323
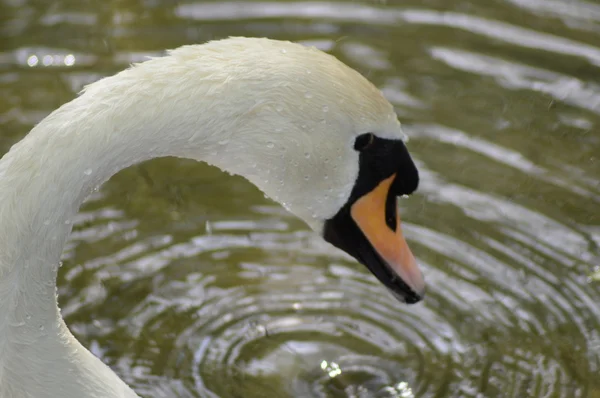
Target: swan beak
386	238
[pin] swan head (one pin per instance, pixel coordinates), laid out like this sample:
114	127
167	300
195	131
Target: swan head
316	136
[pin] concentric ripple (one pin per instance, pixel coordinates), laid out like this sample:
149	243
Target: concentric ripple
190	283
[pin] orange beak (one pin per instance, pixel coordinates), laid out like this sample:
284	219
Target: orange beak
369	213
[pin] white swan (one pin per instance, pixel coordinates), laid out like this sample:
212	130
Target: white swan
310	132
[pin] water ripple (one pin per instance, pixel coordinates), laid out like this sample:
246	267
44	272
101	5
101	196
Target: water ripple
497	30
190	283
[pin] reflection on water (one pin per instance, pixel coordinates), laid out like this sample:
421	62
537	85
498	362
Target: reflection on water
190	283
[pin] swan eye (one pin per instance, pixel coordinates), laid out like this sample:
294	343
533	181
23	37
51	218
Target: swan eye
363	141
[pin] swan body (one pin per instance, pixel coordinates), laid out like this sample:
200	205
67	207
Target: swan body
285	116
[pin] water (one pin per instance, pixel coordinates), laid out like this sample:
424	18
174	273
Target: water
189	283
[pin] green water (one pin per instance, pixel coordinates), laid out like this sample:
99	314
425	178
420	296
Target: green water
189	283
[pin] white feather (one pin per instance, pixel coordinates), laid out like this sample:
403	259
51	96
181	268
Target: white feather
280	114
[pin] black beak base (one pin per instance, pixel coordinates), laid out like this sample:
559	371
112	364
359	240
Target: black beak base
378	160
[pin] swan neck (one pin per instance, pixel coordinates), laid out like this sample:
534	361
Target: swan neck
45	178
